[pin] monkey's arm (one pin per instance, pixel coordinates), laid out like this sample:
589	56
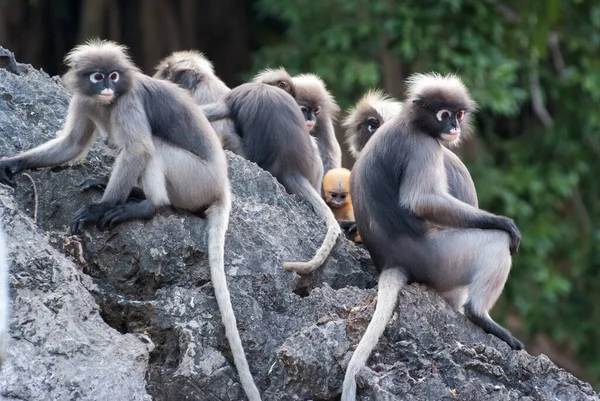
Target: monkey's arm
216	111
445	210
74	140
330	149
131	161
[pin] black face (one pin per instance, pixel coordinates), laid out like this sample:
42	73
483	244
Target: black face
368	125
310	115
442	121
105	85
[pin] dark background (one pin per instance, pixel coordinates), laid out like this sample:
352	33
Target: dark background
533	66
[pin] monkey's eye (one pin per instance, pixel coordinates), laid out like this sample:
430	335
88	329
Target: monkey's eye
316	110
372	124
443	115
460	115
304	109
282	84
114	76
96	77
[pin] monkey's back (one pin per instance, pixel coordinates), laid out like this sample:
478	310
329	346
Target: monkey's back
273	130
174	117
376	181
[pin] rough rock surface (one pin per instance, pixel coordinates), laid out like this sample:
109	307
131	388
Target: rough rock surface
130	314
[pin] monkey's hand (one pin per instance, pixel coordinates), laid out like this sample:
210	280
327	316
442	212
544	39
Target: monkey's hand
8	168
88	214
348	226
511	228
93	183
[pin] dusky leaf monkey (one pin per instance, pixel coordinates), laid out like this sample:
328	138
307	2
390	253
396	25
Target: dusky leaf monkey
414	230
192	71
336	191
164	143
372	111
4	298
274	136
318	108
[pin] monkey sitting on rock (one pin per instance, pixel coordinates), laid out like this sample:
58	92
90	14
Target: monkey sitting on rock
164	144
414	229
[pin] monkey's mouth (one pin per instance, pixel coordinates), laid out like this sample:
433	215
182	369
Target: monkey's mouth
310	125
451	135
106	98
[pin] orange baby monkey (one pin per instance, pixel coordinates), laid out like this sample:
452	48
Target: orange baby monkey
336	190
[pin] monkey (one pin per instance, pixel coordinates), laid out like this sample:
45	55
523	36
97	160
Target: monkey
164	144
191	70
372	111
336	187
4	298
318	107
274	136
414	230
336	191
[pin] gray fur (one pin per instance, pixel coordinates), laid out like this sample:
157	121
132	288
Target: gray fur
409	222
192	71
372	111
317	104
275	137
4	298
163	143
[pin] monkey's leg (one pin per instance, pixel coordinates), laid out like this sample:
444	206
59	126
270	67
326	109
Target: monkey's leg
493	264
136	194
469	269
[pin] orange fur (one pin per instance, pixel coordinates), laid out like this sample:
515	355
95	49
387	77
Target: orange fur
335	183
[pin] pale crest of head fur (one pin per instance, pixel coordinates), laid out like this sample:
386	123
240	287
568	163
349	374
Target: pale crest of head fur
187	59
447	88
312	88
96	50
375	103
269	75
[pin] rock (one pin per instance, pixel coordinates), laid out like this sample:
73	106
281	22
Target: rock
130	313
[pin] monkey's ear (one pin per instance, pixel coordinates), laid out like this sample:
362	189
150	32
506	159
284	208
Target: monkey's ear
187	79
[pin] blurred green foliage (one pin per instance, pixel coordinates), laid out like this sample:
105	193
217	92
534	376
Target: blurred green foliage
541	174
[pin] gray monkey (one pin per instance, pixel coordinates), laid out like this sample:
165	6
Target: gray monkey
163	143
414	230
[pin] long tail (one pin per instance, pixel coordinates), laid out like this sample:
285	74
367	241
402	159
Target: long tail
218	220
391	282
4	298
216	111
300	186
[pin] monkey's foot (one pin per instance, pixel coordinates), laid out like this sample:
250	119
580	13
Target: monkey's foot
128	211
93	183
88	214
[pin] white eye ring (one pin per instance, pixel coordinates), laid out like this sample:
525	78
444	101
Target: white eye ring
96	77
114	76
443	115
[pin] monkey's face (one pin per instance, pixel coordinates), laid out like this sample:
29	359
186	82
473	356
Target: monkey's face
368	124
310	113
336	187
104	85
442	121
337	200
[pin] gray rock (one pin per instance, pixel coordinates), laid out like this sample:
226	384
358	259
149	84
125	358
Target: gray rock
130	313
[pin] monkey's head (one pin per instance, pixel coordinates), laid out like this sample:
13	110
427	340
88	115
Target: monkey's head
314	100
188	69
336	187
371	111
278	77
99	70
440	106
